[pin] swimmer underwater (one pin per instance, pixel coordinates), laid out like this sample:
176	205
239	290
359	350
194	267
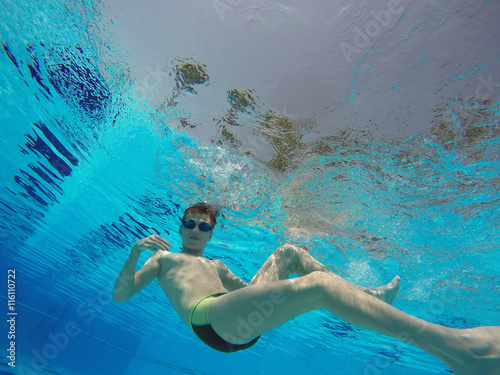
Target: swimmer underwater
229	315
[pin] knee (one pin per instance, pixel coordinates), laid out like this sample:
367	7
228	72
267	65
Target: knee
322	284
288	251
285	247
317	280
314	285
288	254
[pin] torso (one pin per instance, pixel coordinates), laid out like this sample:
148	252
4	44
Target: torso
186	279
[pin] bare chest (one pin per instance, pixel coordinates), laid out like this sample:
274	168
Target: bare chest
185	279
181	273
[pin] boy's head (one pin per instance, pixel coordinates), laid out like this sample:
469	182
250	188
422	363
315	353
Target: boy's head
204	209
196	230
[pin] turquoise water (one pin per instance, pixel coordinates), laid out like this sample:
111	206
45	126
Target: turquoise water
97	154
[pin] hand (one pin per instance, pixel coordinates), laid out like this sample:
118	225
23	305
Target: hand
152	242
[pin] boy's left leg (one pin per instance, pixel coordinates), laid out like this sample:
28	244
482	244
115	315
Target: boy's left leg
246	313
289	259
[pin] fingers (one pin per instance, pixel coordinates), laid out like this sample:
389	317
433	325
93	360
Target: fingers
164	242
155	242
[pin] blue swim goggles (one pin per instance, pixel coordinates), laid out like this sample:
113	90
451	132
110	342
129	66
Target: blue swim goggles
191	224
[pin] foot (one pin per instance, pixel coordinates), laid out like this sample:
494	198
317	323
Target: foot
388	292
477	352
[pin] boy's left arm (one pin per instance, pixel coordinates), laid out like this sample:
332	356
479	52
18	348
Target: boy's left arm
229	280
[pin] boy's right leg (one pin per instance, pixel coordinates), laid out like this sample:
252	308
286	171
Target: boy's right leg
289	259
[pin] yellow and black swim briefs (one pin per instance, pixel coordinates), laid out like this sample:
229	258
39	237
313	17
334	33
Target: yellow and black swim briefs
200	324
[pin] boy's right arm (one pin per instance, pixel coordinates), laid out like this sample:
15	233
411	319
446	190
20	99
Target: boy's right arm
129	282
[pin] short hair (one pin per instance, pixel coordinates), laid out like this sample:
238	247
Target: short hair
202	208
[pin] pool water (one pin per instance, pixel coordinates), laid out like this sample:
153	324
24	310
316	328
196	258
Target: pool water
361	138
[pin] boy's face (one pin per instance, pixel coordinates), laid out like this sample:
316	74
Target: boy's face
195	239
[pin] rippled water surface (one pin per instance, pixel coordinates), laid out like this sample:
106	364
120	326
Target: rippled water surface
367	132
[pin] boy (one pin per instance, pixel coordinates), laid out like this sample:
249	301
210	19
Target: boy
230	315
